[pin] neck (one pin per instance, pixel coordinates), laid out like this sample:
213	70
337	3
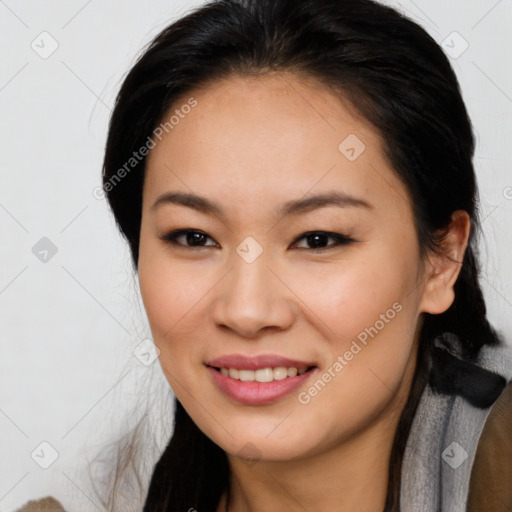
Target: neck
347	477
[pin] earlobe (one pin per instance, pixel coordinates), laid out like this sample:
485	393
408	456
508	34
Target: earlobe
443	267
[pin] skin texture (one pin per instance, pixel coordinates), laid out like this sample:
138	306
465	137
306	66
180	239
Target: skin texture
251	144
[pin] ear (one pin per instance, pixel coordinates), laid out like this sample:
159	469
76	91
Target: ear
442	267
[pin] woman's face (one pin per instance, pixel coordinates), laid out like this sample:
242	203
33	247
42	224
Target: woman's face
240	308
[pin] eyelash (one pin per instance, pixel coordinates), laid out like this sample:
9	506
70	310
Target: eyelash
338	237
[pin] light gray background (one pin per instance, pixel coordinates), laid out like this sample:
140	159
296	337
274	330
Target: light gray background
69	325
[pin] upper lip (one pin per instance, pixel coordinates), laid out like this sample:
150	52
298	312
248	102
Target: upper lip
243	362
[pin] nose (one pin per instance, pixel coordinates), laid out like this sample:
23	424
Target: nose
253	298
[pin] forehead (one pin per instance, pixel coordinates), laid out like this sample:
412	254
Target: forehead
263	138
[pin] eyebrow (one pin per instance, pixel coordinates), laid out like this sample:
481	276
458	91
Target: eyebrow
294	207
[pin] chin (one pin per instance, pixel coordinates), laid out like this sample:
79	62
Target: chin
266	443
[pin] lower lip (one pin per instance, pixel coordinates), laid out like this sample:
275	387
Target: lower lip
257	393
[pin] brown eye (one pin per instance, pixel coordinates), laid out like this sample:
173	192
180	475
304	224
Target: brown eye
318	240
188	237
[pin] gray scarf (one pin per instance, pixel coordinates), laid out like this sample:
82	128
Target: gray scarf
441	447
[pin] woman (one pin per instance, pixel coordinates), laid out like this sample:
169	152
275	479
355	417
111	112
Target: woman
295	181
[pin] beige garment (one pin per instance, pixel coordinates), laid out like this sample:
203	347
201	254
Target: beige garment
47	504
490	488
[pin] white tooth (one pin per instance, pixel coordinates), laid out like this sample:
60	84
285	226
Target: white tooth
264	375
301	371
234	373
224	371
280	373
292	371
246	375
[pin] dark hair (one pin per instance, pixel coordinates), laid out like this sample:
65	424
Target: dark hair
396	76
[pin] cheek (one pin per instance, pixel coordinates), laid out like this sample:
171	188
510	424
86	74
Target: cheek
371	319
367	311
171	293
359	292
170	287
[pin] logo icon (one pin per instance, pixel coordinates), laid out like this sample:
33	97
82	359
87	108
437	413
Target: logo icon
44	45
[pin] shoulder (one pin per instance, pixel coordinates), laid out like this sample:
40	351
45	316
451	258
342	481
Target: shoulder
490	487
47	504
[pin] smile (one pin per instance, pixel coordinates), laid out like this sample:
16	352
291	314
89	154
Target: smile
258	380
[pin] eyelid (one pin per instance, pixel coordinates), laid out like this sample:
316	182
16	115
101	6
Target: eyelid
340	239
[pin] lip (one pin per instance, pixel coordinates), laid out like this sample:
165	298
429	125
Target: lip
257	393
257	362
